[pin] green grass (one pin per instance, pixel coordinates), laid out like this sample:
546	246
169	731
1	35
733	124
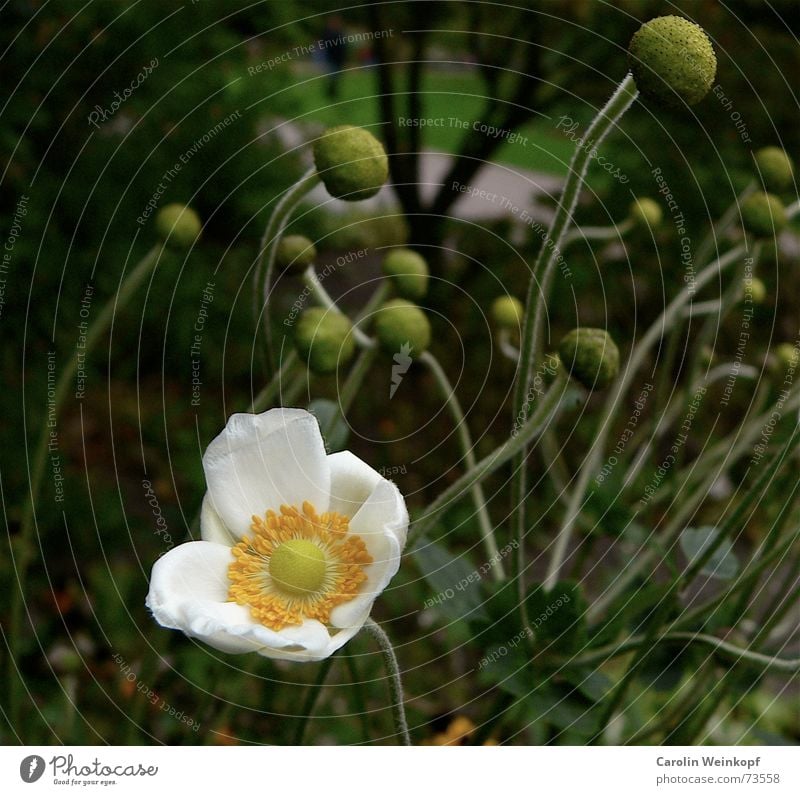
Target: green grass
455	98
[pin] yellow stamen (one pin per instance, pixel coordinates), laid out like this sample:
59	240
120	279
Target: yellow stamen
297	565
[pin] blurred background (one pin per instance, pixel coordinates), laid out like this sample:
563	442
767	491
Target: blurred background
111	110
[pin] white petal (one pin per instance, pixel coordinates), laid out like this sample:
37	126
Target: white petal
211	527
384	508
188	591
342	636
262	461
352	481
380	522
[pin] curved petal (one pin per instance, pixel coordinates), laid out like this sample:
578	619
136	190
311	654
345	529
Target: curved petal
189	591
211	527
384	508
381	522
263	461
352	481
347	633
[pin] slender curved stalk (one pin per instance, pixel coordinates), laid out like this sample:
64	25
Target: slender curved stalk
268	249
24	541
736	519
270	391
720	646
320	295
709	243
637	358
313	694
540	283
376	299
687	507
550	405
355	378
468	451
601	233
395	682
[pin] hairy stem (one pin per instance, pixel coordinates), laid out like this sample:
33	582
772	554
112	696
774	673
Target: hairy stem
395	682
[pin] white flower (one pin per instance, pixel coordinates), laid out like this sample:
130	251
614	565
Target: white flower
296	543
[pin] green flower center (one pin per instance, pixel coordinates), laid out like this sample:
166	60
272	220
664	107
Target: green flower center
297	567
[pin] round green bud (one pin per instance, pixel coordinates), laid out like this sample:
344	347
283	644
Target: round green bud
754	290
178	225
324	339
402	327
763	215
672	61
295	253
786	357
508	312
590	356
351	162
646	213
775	168
408	272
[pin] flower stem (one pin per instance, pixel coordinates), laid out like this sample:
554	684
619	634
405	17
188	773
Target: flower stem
313	694
268	249
320	295
550	405
24	541
600	233
266	396
395	682
722	647
468	451
637	358
542	277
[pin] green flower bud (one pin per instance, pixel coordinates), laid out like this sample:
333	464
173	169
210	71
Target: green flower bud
295	253
775	168
408	271
351	162
178	224
507	312
324	339
591	357
672	61
646	213
400	324
763	215
785	357
755	290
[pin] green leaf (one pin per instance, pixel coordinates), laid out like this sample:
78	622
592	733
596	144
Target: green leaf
329	417
723	564
454	581
558	617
